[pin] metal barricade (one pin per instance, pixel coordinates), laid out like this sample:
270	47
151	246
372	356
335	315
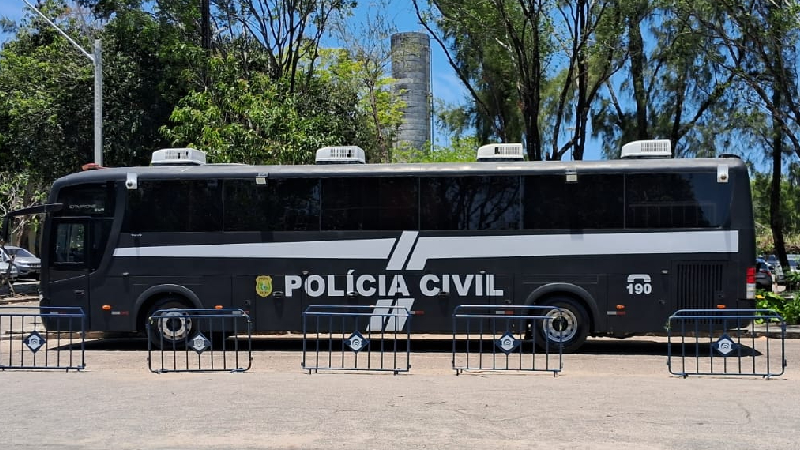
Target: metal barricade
357	338
504	337
726	342
26	344
204	346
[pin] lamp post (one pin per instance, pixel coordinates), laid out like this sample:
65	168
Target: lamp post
97	61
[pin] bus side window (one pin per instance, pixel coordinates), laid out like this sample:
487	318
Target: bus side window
70	247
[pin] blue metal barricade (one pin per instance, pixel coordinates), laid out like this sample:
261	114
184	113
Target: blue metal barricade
504	337
202	345
26	344
360	338
726	342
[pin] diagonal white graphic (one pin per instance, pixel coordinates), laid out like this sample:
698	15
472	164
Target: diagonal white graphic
402	250
390	316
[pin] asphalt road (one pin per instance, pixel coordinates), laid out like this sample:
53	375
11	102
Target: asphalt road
613	395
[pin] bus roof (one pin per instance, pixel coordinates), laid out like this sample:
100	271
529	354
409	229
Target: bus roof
405	169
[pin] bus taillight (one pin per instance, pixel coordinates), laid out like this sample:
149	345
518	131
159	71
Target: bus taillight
750	289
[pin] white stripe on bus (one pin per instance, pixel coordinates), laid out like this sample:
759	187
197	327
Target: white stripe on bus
403	249
349	249
572	245
427	248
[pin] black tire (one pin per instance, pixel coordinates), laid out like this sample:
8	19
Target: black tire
569	327
169	330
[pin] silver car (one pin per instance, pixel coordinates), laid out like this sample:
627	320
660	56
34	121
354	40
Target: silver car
28	265
4	271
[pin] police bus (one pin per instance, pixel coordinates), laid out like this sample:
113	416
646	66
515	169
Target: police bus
618	244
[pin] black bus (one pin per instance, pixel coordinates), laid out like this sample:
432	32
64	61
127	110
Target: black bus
618	244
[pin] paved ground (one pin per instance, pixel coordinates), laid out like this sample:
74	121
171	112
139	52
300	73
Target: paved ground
613	395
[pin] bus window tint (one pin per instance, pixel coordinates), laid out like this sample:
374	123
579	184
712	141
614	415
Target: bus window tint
95	199
676	200
381	204
474	203
279	205
593	202
174	206
70	244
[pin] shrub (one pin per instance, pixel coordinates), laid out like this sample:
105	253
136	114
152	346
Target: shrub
788	307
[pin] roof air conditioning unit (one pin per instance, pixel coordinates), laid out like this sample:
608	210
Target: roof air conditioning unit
348	154
178	157
501	153
653	148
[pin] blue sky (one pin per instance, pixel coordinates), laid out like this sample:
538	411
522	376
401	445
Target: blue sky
445	84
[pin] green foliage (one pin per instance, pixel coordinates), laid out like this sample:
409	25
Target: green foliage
380	106
461	150
20	190
787	306
46	105
247	117
790	210
47	90
792	280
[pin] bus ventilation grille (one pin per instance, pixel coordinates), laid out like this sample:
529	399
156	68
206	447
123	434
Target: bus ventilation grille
699	285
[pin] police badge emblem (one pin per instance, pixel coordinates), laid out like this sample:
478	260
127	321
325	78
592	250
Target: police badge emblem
264	285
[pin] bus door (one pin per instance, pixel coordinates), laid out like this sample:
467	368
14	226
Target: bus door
69	268
265	299
639	300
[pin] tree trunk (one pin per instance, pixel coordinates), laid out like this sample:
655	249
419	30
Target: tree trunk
775	214
638	62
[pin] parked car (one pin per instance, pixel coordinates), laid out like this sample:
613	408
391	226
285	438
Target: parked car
763	275
28	265
793	262
775	268
14	273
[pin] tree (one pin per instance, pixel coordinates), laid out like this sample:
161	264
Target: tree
365	63
499	52
460	150
674	90
46	103
288	31
250	118
759	41
17	191
533	68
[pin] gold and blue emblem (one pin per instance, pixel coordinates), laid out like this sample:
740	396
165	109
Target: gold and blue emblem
264	285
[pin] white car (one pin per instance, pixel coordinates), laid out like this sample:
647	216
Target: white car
14	273
28	265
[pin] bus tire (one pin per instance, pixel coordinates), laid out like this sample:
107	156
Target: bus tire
172	332
568	328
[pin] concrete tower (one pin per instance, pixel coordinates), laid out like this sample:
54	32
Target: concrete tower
411	67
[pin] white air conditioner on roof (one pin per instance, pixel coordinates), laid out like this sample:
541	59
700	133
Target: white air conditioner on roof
178	157
347	154
652	148
501	152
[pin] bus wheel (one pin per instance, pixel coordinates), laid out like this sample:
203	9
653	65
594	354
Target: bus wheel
568	327
170	328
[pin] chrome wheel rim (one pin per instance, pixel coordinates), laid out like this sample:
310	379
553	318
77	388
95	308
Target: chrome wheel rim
174	325
561	326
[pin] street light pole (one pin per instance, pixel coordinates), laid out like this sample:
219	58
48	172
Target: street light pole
97	60
98	102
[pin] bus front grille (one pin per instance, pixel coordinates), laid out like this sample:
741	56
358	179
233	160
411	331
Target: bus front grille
699	285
